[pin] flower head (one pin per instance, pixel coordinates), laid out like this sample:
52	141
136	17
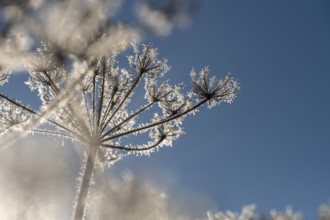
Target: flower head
215	91
154	93
166	133
146	61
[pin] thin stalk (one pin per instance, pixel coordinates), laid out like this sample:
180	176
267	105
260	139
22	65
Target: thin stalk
87	110
101	98
128	118
35	113
85	183
93	103
77	123
17	104
134	149
107	110
156	123
137	79
59	102
55	133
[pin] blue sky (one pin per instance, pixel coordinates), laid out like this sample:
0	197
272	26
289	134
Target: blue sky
270	147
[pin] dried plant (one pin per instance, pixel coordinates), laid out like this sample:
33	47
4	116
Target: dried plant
86	94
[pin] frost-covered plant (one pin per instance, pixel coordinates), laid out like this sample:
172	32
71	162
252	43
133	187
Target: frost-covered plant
86	94
98	116
248	213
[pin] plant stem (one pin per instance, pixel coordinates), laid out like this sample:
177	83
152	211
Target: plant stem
85	184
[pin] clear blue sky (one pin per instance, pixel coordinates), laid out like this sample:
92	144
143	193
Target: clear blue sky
270	147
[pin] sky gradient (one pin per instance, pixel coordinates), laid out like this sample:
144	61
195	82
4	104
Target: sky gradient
270	147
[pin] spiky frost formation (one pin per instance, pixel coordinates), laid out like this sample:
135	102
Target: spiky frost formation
215	91
99	113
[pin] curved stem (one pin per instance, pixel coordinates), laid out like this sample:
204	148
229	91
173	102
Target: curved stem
134	149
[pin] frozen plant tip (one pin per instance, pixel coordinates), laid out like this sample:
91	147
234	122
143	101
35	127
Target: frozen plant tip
215	91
